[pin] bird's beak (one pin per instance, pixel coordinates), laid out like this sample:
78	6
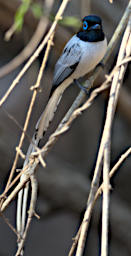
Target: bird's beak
95	27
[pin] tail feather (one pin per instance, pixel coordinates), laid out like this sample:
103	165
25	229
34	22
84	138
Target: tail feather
48	114
41	127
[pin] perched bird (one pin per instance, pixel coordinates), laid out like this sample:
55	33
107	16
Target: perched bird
80	55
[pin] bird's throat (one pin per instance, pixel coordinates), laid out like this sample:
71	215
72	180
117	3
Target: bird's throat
91	36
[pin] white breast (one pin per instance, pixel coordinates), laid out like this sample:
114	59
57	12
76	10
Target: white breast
92	54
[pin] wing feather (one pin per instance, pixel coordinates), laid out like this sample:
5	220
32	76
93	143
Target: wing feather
67	62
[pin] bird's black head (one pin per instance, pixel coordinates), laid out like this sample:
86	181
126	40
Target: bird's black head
91	30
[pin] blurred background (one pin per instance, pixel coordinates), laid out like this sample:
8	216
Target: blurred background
65	183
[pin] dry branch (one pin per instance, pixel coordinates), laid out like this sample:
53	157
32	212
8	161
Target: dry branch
113	98
36	156
98	193
28	50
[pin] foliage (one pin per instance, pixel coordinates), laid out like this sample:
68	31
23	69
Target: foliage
36	8
25	6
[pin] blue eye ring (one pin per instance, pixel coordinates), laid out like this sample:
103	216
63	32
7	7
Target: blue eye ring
85	25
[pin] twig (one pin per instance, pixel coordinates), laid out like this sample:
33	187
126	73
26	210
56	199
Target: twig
116	83
19	226
113	170
75	241
3	195
23	134
85	7
8	223
98	193
105	205
28	50
14	193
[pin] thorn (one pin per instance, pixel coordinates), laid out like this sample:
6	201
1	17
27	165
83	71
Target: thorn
36	87
3	197
20	152
18	170
36	215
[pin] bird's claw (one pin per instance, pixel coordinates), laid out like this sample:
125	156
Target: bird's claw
84	89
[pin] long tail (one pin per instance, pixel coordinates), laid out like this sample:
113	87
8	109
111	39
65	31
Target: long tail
41	127
48	114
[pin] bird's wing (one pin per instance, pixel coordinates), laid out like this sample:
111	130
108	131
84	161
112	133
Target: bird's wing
67	62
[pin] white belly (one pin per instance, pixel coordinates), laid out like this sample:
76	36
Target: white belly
92	54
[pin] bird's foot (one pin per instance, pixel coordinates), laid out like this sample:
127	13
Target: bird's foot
81	86
101	64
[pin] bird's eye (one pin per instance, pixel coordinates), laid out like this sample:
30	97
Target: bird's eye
85	25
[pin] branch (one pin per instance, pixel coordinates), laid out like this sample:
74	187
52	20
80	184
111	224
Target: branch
28	50
114	169
114	93
98	193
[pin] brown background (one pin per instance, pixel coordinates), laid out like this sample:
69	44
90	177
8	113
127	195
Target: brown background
64	184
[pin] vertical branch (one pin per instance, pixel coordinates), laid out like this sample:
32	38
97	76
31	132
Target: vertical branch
85	7
21	224
105	205
125	50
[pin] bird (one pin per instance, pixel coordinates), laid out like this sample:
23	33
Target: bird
80	55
